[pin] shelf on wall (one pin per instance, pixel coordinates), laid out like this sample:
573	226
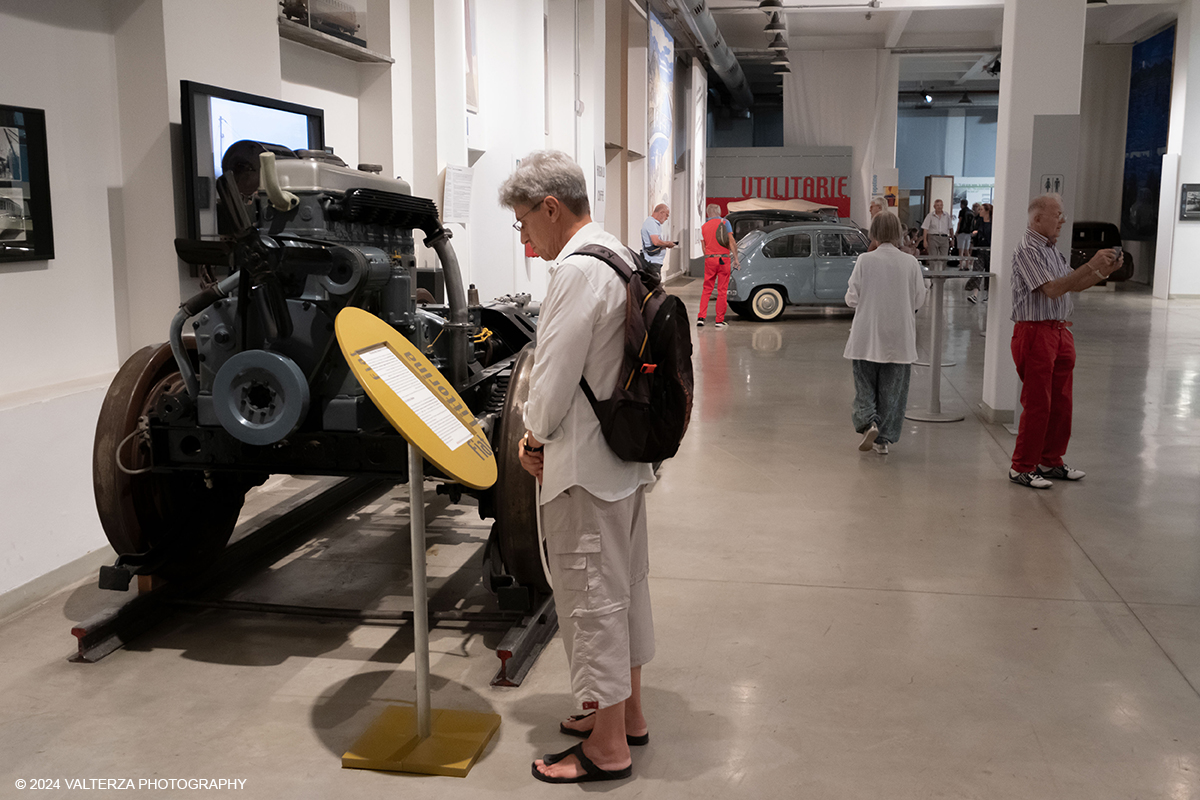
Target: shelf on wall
302	34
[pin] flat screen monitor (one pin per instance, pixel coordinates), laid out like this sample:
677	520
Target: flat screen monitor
213	119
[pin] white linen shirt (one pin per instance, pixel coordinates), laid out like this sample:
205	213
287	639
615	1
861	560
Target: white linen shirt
581	332
886	287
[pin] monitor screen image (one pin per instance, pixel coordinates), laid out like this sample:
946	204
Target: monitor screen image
213	119
232	121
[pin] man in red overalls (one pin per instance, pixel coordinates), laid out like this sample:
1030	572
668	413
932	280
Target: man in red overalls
717	261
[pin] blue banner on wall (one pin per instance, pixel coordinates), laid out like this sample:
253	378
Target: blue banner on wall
1146	136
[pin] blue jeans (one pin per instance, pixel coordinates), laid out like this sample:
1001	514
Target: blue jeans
880	397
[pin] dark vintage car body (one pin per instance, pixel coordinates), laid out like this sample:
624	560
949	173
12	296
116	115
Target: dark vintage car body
1087	238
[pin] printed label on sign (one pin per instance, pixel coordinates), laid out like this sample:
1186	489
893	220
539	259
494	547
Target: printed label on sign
416	395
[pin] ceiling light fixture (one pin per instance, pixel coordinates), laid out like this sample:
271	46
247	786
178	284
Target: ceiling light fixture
927	97
780	58
775	25
965	99
778	43
782	69
770	5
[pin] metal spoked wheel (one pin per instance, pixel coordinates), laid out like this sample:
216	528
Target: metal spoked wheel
766	303
186	515
516	501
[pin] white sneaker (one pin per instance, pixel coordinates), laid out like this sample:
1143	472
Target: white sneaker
881	448
721	325
1063	473
868	438
1030	479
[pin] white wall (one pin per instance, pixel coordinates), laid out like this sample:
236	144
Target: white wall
1103	120
1183	277
57	317
845	98
322	80
511	89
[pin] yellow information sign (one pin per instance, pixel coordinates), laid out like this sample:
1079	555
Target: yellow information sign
418	401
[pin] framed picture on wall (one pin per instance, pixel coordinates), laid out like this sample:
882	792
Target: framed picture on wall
1189	201
26	232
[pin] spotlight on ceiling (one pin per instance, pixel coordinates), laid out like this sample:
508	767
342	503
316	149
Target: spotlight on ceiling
778	43
775	25
965	99
927	97
993	69
770	5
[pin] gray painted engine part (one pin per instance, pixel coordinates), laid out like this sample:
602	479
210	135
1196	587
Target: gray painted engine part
260	397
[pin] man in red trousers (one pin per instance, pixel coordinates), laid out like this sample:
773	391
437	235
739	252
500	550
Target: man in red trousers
717	261
1042	345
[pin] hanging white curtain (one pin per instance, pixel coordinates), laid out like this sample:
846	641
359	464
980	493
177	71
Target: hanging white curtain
840	98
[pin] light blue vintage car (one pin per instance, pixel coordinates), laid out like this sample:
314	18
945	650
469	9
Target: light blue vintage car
803	263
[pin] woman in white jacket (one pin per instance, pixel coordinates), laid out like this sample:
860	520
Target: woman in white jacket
886	288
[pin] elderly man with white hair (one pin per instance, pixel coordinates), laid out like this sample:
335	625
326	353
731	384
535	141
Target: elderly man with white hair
1042	345
592	503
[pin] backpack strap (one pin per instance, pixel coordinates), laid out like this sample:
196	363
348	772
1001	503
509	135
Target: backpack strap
610	257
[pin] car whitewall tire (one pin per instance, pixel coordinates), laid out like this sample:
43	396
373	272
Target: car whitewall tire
766	303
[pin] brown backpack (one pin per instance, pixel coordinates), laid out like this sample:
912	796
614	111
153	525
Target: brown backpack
648	412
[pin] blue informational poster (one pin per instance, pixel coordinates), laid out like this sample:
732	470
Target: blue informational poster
1146	137
661	113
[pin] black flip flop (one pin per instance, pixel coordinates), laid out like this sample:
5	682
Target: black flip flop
632	741
590	771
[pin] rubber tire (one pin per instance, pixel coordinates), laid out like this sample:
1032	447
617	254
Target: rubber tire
515	498
741	308
772	299
153	509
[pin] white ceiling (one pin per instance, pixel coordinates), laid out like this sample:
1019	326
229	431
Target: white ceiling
944	44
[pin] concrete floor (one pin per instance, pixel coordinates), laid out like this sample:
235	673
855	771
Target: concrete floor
831	624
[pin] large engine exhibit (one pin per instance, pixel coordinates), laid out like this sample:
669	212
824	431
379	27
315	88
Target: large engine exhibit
251	382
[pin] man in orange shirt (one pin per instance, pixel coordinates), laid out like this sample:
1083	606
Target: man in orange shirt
717	262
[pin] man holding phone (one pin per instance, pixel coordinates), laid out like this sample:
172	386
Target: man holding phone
1042	345
654	247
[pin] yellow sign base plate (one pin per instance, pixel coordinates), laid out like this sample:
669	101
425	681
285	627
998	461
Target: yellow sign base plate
392	743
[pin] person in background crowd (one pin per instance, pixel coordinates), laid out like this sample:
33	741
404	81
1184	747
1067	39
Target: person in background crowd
962	233
878	204
593	504
1042	345
886	288
982	244
717	262
654	247
937	228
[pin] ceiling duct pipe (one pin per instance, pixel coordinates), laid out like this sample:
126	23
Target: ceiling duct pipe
700	23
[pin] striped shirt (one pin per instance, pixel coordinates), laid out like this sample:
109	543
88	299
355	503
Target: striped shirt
1036	262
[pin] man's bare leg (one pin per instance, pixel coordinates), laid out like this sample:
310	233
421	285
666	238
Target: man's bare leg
635	720
606	747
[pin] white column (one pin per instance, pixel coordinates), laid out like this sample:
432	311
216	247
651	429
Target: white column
956	145
1176	271
1042	68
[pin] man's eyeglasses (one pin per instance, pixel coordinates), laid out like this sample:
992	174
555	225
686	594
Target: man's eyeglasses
517	224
